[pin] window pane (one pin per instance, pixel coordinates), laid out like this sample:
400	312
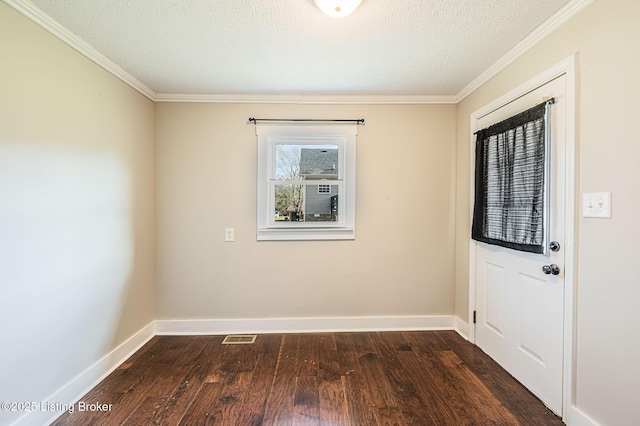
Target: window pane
306	203
306	161
288	203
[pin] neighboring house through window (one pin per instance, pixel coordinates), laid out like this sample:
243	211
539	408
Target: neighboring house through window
306	182
319	163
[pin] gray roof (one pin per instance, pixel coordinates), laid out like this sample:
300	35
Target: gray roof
318	161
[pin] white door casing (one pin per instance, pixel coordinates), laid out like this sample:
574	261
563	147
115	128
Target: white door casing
525	318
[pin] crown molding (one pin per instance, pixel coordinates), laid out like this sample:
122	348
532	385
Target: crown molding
307	99
30	11
536	36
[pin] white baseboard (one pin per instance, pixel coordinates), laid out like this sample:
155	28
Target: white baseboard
303	325
462	328
578	418
75	389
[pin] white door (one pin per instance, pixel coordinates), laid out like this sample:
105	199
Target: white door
519	308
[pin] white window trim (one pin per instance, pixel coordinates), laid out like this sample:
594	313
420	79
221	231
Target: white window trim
343	135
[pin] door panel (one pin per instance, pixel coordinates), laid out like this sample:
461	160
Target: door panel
532	306
519	308
495	297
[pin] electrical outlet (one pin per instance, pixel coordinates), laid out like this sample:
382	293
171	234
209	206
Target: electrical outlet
229	234
596	204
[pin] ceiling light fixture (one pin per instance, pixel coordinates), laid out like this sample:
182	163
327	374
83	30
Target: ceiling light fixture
337	8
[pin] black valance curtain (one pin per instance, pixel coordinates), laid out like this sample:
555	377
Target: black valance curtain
509	208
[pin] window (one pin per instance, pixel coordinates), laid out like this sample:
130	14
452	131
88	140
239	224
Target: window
511	193
306	182
324	189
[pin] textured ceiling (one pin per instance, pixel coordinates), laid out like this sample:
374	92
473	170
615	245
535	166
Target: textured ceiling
386	47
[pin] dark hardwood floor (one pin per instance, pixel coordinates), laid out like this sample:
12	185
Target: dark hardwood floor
377	378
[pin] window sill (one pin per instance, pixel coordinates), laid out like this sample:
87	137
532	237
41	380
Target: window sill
316	234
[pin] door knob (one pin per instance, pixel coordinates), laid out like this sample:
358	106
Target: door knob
554	246
552	269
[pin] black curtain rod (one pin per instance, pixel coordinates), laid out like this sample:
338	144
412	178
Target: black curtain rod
549	101
305	120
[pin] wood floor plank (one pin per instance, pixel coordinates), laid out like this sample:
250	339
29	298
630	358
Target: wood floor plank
428	390
177	404
280	401
124	388
478	400
327	341
346	354
246	356
229	403
255	398
142	352
331	383
404	385
360	403
378	385
521	403
393	341
268	343
389	416
359	406
426	341
201	412
363	343
333	403
372	378
308	355
227	357
146	412
198	368
306	402
328	362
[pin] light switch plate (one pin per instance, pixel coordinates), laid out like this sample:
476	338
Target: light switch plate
596	204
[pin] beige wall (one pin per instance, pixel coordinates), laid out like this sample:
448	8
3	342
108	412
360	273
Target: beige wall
76	212
401	262
606	37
